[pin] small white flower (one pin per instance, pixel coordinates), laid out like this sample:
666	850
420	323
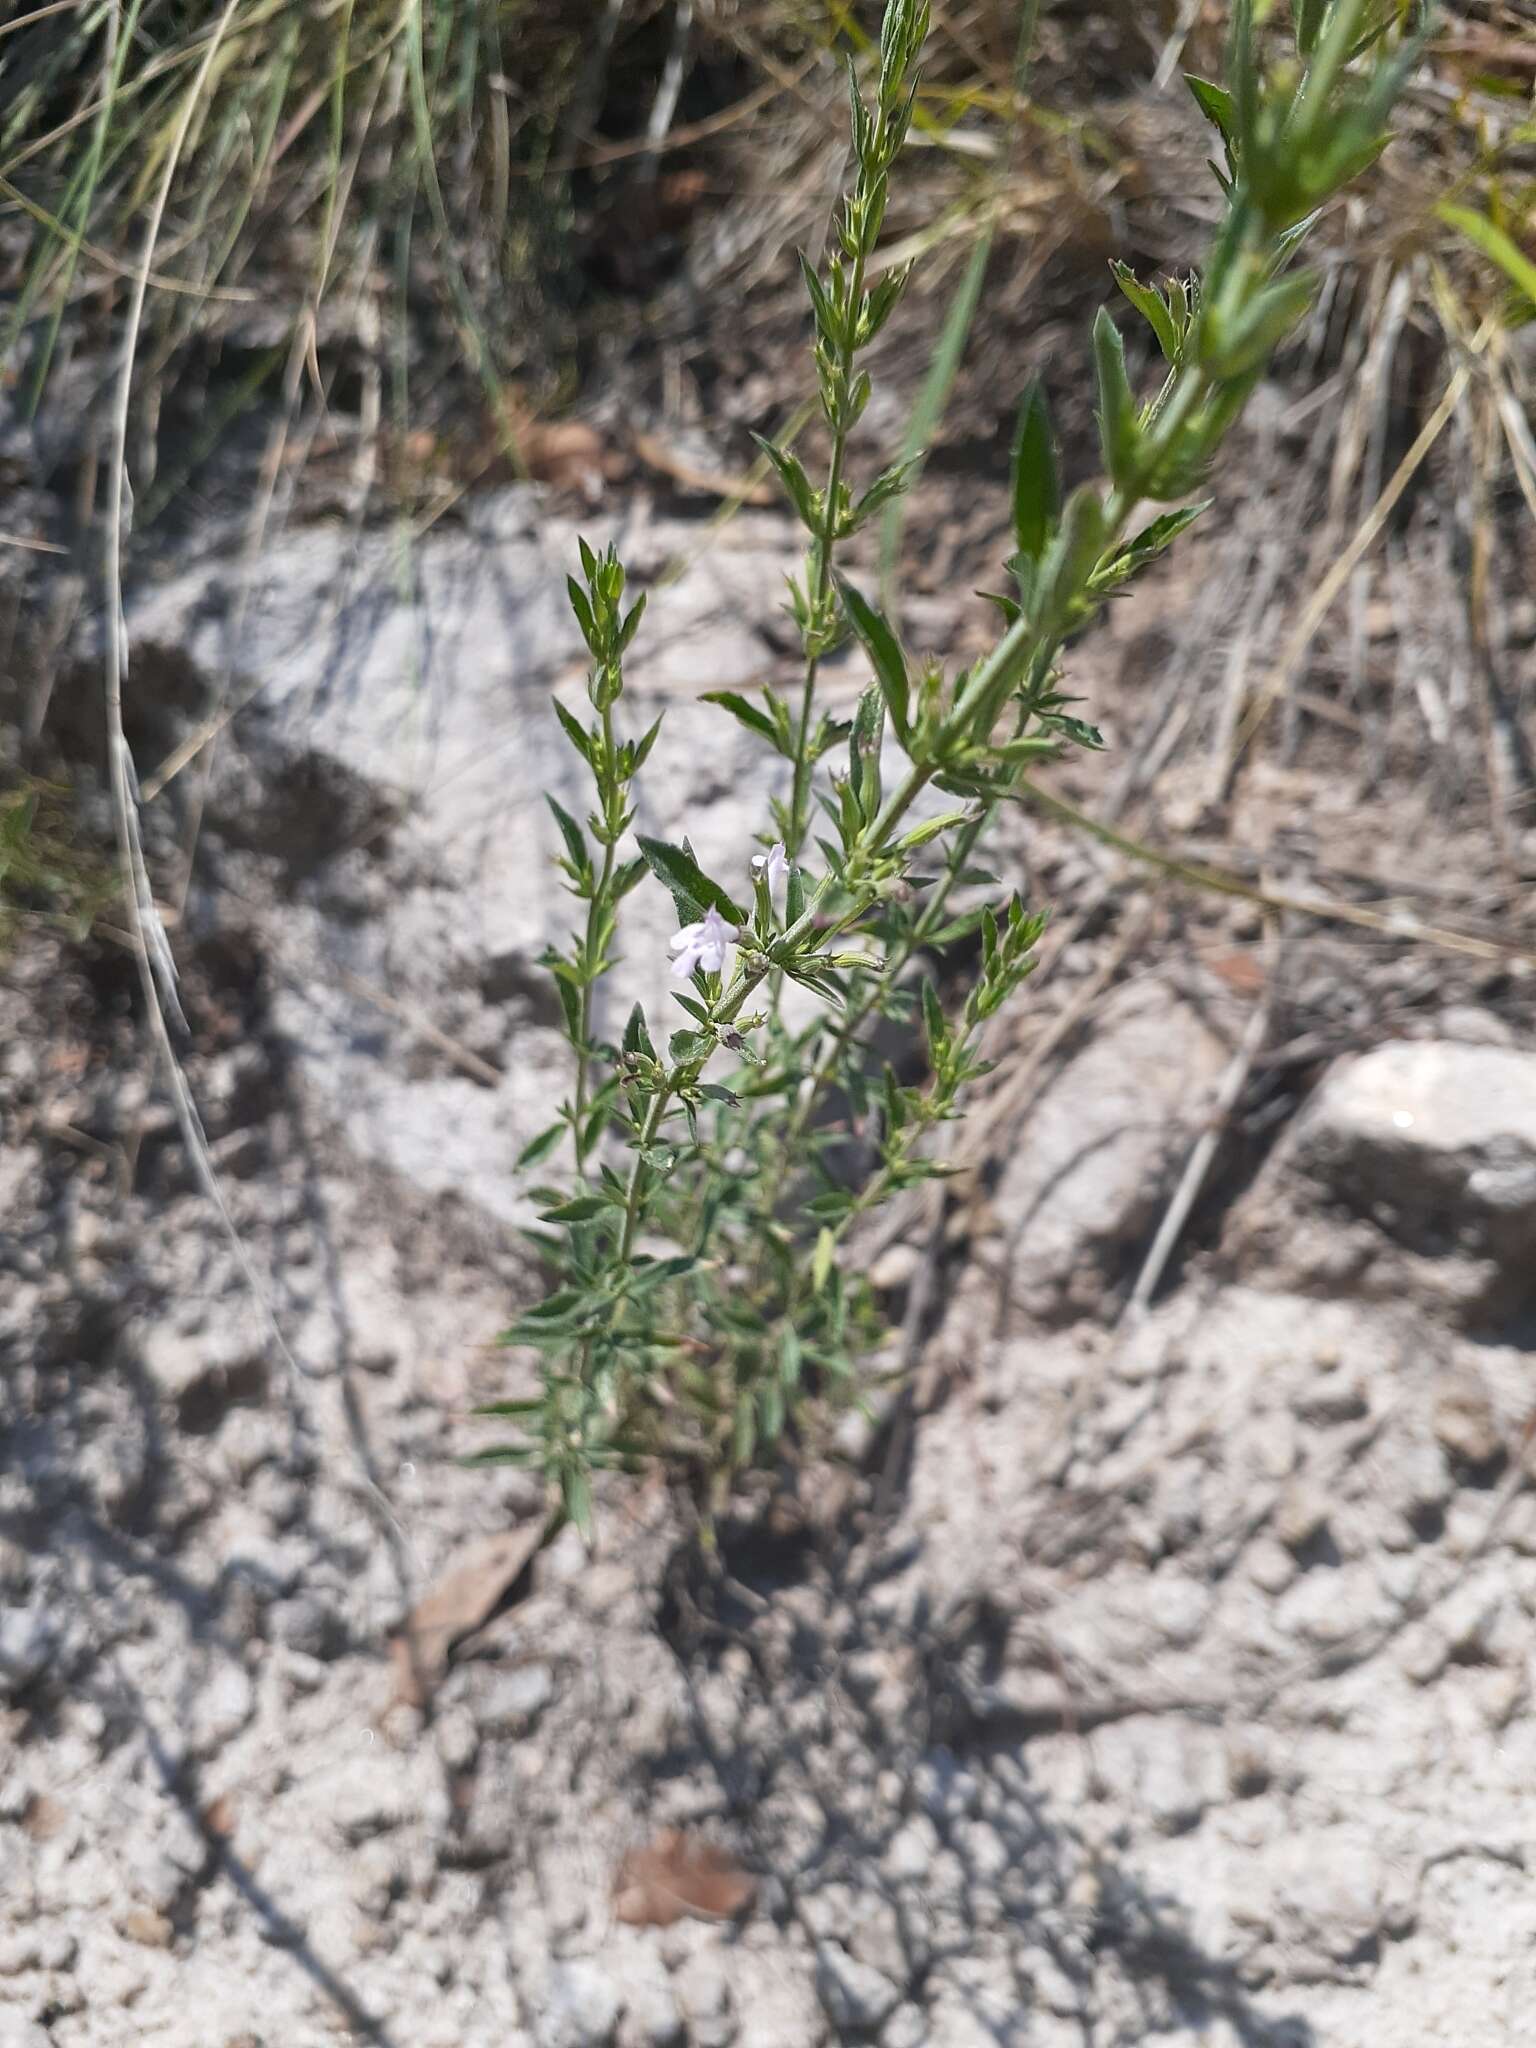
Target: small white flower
701	945
771	867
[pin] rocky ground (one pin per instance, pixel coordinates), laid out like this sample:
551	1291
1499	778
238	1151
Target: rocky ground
1154	1674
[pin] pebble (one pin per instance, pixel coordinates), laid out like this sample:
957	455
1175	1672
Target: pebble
582	2009
28	1642
856	1996
514	1700
17	2031
705	1994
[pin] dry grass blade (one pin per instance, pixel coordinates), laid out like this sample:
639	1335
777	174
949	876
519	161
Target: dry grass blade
677	1876
1321	601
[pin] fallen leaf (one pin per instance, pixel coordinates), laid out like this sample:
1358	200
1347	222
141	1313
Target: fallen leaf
463	1599
676	1877
1244	973
219	1817
45	1817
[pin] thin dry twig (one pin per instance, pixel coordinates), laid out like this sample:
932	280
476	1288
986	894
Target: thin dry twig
1321	601
1198	1165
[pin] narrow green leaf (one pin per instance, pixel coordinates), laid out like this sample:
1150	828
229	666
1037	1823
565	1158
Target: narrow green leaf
1150	305
636	1038
540	1147
1215	102
934	1024
576	1493
692	890
746	714
929	829
797	485
1036	487
581	1210
570	832
1119	436
821	1264
1491	239
575	732
885	656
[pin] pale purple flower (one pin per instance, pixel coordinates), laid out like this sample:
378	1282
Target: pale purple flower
771	867
701	945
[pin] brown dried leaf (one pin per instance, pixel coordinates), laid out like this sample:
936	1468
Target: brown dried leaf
677	1876
463	1600
219	1817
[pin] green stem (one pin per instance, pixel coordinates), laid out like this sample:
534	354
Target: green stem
595	908
825	541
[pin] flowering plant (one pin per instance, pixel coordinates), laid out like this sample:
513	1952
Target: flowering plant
700	1306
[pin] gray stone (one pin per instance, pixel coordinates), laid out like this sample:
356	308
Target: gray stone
704	1993
651	2018
1095	1161
857	1997
17	2031
582	2007
1436	1138
221	1708
513	1700
29	1640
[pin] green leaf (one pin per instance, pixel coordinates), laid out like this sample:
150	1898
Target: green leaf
864	750
797	484
576	1495
744	1434
570	1005
821	305
508	1408
1243	345
1150	305
570	832
540	1147
1151	540
1309	21
692	890
575	732
821	1263
929	829
581	1210
1119	435
636	1038
1495	245
1215	102
1036	487
687	1047
794	895
583	610
745	714
789	1355
934	1024
885	657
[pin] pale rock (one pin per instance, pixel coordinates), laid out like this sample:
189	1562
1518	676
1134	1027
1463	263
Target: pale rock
582	2006
1466	1427
651	2018
1270	1565
857	1997
17	2031
221	1708
513	1700
704	1994
29	1641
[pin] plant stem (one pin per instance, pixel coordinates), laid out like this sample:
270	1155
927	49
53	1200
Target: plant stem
595	910
826	540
